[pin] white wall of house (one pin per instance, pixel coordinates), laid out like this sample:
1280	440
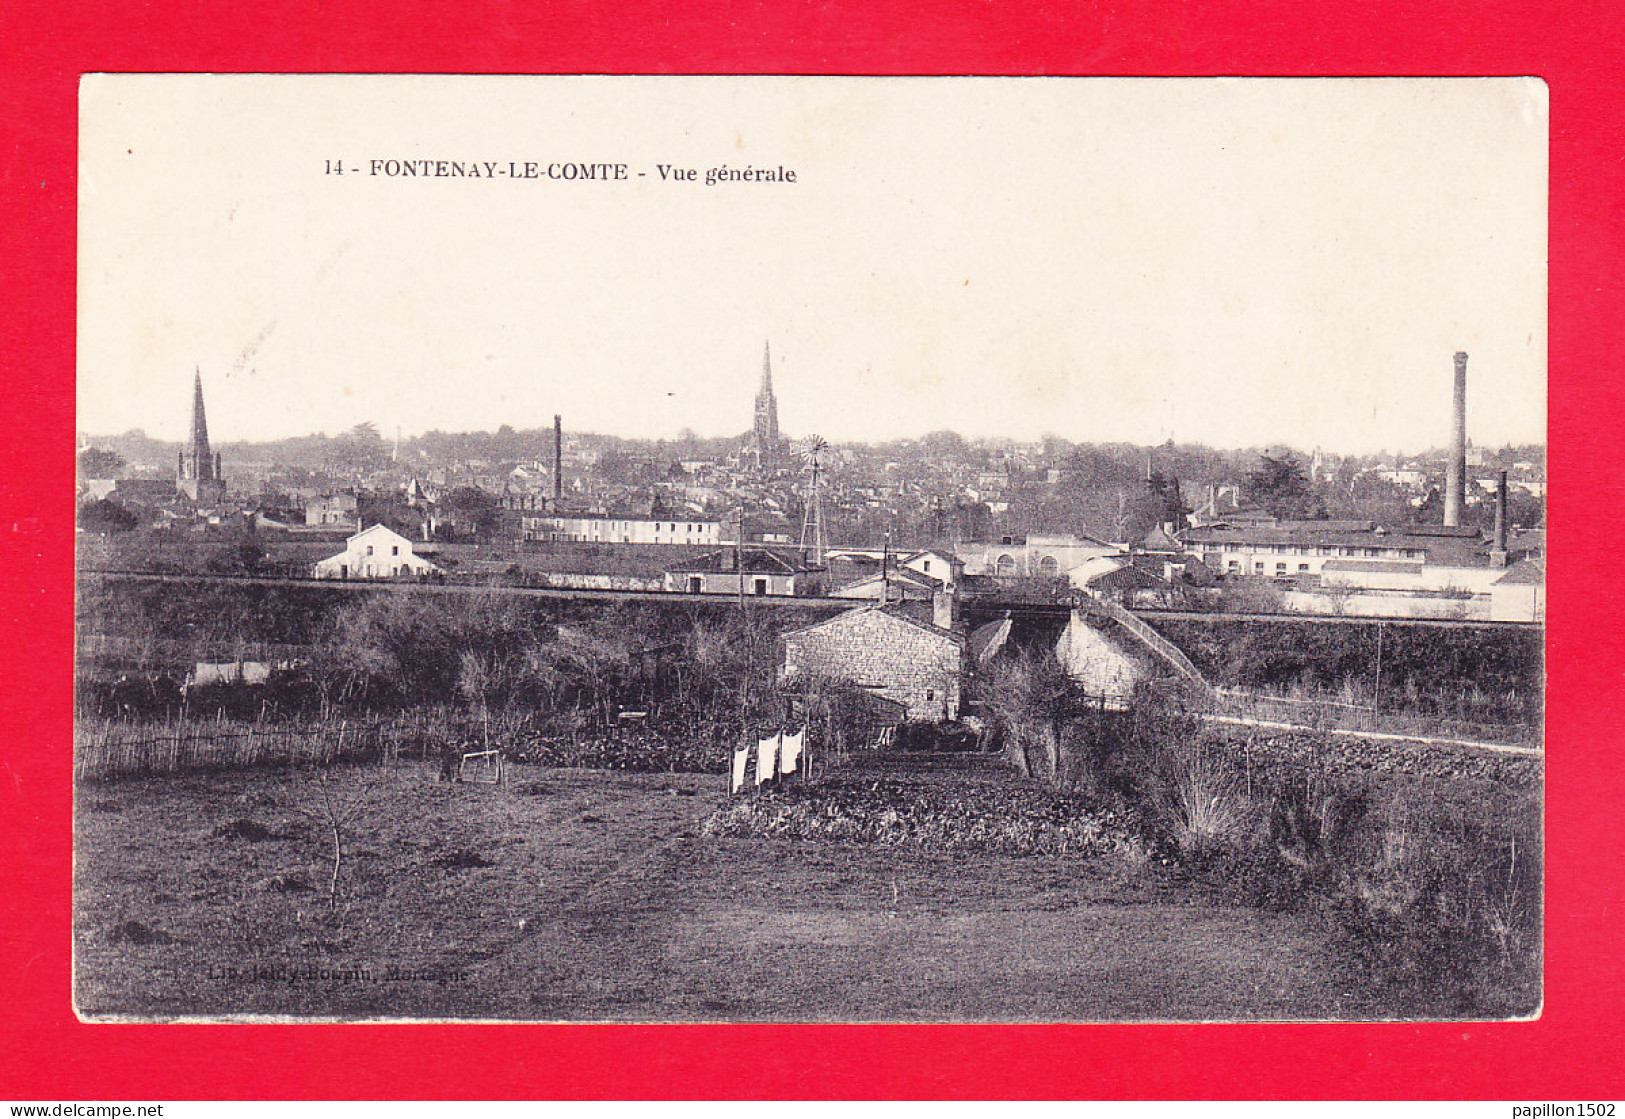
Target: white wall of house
935	564
1518	602
727	582
1282	560
374	553
1419	577
623	530
331	509
1388	604
1039	555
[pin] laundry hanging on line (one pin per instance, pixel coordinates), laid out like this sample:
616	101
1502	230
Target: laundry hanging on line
767	754
789	752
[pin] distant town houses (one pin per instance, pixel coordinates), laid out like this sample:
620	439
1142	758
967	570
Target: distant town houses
906	520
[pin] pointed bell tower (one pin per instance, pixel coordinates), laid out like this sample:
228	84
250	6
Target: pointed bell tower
765	441
197	472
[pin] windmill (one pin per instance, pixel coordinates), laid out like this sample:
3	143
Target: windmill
813	449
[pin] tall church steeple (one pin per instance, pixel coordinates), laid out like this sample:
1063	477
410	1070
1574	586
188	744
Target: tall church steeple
766	405
197	471
765	432
200	423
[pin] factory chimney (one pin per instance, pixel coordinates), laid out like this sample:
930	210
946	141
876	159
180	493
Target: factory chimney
558	457
1498	547
1455	476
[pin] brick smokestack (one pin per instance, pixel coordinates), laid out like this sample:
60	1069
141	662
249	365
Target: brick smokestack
1498	546
1455	474
558	457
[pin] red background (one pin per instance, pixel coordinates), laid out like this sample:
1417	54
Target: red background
1572	1052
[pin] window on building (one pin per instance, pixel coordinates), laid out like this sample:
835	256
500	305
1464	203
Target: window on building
1280	569
394	549
1006	566
1303	567
696	584
1049	566
1234	565
369	549
1258	567
761	586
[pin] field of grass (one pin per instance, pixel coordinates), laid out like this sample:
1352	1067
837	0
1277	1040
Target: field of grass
593	895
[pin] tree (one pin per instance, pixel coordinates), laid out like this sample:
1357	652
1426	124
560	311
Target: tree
1167	502
1026	694
360	448
332	806
470	511
97	463
1281	487
106	517
240	559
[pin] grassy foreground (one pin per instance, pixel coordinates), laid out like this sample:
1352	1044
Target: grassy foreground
590	895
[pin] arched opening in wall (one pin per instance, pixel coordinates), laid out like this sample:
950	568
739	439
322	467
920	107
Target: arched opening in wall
1049	566
1006	566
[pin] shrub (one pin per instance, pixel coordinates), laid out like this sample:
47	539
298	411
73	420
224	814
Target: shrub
1203	806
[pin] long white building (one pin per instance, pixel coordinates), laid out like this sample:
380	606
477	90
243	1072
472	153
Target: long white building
600	529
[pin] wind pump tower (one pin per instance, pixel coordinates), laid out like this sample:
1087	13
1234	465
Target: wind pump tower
813	450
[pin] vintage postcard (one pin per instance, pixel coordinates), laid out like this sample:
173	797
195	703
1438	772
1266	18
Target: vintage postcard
715	549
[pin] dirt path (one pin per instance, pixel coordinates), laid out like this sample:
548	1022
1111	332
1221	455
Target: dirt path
591	896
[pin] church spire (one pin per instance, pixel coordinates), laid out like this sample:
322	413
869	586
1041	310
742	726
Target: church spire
199	439
765	432
197	469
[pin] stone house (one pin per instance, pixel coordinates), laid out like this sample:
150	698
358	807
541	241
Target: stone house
331	510
913	663
766	572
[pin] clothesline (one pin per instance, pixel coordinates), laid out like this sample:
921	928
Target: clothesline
778	755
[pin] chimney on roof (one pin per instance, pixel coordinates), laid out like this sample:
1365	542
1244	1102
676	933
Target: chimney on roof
1498	547
1455	471
558	457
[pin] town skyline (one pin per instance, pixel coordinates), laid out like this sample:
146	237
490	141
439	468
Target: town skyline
1230	263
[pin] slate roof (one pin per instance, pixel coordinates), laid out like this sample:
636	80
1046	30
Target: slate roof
757	560
892	612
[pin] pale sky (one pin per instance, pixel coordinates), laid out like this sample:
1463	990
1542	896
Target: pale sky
1235	262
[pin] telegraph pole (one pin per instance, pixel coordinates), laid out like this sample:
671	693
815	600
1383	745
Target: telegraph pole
739	560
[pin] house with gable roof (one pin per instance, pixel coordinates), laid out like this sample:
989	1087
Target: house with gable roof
375	553
765	572
913	663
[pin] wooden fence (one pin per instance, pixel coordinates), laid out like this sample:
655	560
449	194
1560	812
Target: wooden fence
1318	713
109	747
